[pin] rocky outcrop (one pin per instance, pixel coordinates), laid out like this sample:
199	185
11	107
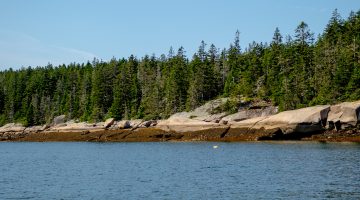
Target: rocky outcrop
12	127
76	127
252	122
35	129
301	120
287	124
209	112
206	112
343	116
249	113
183	124
11	131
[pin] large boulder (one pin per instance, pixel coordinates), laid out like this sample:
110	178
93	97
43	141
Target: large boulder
301	121
344	115
109	122
59	120
315	115
148	123
183	124
123	124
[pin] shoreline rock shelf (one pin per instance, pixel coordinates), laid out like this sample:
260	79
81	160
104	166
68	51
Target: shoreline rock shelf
321	123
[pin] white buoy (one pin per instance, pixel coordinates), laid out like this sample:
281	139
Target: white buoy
215	147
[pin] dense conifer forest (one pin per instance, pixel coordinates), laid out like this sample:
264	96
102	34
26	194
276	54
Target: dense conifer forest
291	72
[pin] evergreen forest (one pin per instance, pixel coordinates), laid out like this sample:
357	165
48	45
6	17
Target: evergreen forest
291	71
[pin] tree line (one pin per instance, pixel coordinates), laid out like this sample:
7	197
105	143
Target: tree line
291	72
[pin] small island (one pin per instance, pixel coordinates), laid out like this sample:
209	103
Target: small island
254	122
297	87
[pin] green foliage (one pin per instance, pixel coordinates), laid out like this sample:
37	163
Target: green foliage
2	120
204	77
231	105
292	73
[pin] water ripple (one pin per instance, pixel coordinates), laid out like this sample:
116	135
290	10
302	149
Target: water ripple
179	171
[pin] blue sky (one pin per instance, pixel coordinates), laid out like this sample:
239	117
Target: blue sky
36	32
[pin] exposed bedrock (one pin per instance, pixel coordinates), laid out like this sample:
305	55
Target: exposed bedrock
251	122
293	124
344	116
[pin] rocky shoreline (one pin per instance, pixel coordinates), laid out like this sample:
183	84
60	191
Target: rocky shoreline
253	122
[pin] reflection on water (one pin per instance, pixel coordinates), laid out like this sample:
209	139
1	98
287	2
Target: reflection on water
266	170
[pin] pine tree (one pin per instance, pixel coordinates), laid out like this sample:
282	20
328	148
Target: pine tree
234	64
148	72
272	64
292	73
176	83
304	64
196	83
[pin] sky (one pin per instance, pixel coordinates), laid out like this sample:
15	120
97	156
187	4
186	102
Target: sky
39	32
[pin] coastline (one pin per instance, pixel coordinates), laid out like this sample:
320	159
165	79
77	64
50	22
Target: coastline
323	123
158	135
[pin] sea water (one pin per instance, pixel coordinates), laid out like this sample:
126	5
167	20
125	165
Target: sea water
191	170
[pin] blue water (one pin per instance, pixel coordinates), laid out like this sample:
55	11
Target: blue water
282	170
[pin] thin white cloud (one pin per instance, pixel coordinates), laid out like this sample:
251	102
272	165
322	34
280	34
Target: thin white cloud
22	50
77	52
